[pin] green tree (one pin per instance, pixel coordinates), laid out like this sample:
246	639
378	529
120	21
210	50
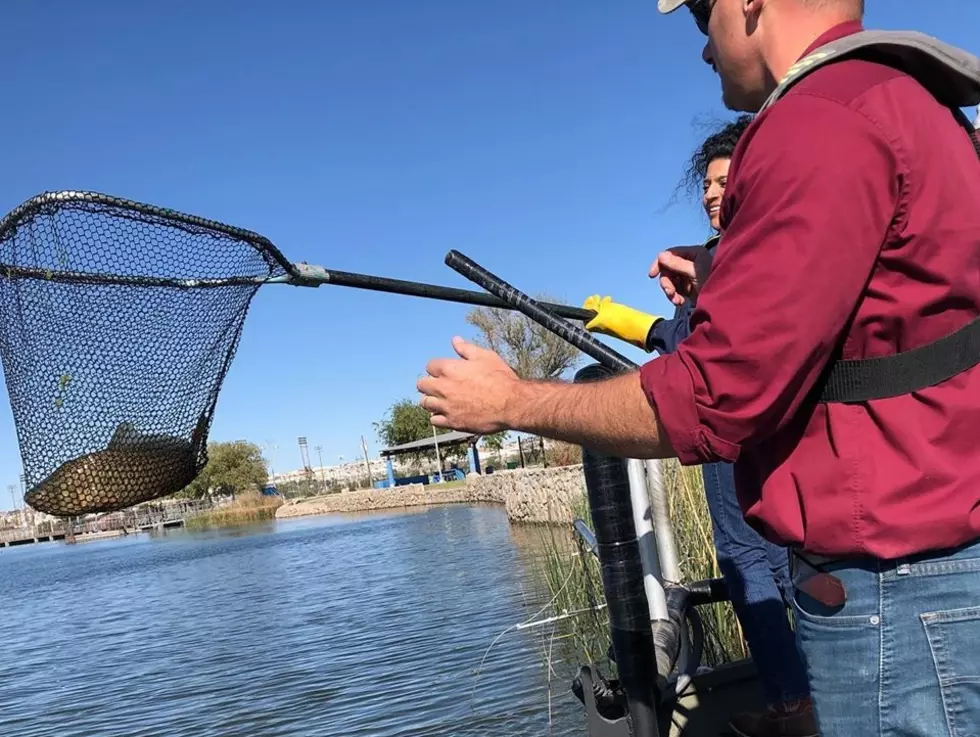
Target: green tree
527	347
405	422
494	443
233	467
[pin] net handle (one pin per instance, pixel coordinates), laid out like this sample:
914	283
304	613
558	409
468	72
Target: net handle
296	274
316	275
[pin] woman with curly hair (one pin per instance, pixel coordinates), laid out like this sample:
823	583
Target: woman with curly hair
755	571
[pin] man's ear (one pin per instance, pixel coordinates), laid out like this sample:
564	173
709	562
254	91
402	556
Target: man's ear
752	7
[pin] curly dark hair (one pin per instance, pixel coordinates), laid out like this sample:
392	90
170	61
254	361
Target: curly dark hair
719	145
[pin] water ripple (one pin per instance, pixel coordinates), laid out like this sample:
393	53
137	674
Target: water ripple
353	626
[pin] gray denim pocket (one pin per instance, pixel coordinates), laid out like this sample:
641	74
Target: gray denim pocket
954	638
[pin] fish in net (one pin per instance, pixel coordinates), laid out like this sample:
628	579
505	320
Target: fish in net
119	323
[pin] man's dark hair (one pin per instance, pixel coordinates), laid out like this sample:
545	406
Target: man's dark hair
719	145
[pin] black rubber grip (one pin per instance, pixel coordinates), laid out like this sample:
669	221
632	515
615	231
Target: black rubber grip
578	337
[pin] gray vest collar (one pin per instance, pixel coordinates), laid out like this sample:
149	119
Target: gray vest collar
949	73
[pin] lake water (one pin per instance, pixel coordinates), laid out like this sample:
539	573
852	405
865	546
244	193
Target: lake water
356	625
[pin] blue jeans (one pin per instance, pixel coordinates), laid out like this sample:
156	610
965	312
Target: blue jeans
902	656
757	575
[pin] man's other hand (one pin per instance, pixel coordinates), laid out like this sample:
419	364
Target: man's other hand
473	393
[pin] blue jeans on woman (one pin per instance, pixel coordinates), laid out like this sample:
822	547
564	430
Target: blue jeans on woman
902	655
757	575
755	570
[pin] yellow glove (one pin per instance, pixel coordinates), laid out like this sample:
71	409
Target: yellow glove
619	320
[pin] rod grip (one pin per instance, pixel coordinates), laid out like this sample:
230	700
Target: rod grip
578	337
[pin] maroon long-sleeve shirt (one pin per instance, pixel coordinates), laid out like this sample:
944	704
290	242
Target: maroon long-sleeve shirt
852	213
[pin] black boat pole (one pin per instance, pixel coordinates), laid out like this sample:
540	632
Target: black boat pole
608	485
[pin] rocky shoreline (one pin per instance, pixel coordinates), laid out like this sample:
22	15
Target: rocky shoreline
530	496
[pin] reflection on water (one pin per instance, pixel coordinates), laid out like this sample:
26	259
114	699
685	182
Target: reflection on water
368	624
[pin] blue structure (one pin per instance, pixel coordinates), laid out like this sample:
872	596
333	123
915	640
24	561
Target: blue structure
406	480
474	456
453	474
446	440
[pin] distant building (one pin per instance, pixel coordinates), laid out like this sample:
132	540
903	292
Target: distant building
351	473
25	516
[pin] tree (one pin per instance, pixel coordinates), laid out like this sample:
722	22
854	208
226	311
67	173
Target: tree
563	454
495	443
405	422
527	347
531	350
232	468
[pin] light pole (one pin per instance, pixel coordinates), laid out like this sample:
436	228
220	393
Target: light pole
367	463
271	449
304	454
435	439
323	478
12	488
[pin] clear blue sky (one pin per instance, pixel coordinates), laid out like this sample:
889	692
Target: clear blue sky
544	139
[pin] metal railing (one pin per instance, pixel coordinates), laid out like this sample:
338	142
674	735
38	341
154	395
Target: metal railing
137	518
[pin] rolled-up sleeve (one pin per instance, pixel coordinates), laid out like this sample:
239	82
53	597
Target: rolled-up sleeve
813	191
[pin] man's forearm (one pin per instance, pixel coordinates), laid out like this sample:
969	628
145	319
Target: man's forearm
611	416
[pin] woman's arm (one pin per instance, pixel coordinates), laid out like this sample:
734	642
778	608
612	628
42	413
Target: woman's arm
666	335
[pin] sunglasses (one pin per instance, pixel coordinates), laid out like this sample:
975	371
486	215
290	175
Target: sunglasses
701	10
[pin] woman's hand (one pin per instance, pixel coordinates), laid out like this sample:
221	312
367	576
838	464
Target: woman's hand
619	321
682	271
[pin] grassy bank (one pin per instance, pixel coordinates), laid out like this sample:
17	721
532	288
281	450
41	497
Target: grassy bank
246	509
696	550
572	577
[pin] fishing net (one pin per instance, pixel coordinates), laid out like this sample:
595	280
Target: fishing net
118	323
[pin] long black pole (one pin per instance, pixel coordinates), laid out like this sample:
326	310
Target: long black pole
448	294
539	312
608	486
607	482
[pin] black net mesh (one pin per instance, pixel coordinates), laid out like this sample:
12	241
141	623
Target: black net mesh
118	322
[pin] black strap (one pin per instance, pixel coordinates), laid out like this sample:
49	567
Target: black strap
862	380
903	373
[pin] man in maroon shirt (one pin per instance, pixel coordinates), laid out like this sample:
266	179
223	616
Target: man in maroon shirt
852	228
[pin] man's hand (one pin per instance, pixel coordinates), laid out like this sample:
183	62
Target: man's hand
473	393
682	271
479	393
